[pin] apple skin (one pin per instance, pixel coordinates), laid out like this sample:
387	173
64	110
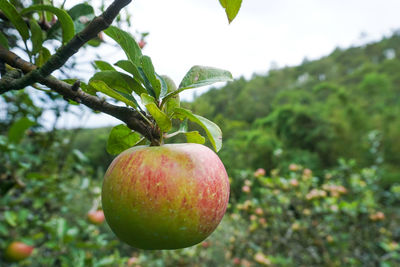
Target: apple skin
17	251
165	197
96	217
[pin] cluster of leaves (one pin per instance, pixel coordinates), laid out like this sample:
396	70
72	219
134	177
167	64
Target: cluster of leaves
158	94
46	23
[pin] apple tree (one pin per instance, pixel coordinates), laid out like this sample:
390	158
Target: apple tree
150	112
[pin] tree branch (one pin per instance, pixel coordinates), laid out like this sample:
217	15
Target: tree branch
131	117
33	74
57	60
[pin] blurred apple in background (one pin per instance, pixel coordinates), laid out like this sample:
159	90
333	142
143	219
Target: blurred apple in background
96	216
17	251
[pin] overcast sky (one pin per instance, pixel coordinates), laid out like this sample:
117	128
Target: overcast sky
184	33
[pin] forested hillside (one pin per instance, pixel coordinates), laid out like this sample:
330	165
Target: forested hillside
345	105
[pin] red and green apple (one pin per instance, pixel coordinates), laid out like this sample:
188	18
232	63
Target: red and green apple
17	251
165	197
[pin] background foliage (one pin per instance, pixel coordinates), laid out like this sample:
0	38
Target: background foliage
325	134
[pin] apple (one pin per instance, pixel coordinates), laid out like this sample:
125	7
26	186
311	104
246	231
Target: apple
165	197
141	44
259	172
236	261
96	216
205	244
17	251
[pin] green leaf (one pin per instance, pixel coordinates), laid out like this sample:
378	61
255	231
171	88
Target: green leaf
120	139
4	41
81	14
160	117
131	68
67	25
88	89
80	156
199	76
174	101
119	81
212	130
102	65
164	86
195	137
11	218
150	73
231	8
191	137
42	57
37	36
127	43
105	89
78	11
147	83
61	226
18	128
12	14
95	42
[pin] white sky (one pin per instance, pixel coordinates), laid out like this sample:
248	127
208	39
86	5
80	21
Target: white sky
184	33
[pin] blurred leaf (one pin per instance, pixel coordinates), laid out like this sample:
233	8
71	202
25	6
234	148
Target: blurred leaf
12	14
61	229
67	24
160	117
18	128
80	10
95	42
120	139
42	57
4	41
11	218
79	155
212	130
81	14
37	36
3	229
78	259
105	89
127	43
105	261
88	89
102	65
